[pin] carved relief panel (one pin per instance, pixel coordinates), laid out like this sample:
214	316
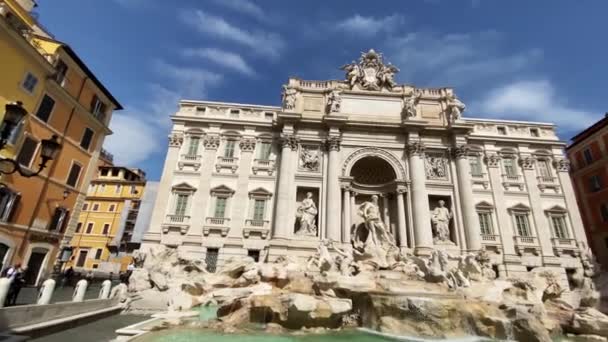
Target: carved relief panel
436	166
309	158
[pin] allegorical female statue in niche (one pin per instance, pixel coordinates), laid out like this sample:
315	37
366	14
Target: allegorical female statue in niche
307	216
441	221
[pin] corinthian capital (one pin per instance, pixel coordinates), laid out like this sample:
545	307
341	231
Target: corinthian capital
333	143
289	140
176	139
247	144
415	148
461	151
527	163
211	142
492	160
562	165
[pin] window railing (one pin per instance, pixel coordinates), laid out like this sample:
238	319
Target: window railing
218	221
490	237
264	162
477	174
191	157
227	160
256	223
511	177
178	218
564	242
525	240
545	179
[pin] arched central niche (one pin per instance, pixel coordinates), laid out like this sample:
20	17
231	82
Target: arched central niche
372	170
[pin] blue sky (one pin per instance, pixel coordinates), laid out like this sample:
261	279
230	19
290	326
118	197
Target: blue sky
539	60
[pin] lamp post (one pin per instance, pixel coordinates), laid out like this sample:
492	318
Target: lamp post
13	115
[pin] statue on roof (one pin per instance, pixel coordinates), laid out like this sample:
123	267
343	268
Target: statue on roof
370	73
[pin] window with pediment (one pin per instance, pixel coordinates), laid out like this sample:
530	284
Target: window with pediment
182	194
484	213
221	196
557	220
521	220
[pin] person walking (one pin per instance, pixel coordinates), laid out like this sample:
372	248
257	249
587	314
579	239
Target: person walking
17	282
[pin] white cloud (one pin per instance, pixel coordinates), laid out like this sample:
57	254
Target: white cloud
457	59
368	26
224	58
191	82
535	100
269	44
141	131
246	7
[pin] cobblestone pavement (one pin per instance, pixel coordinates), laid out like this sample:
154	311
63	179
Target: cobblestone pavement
102	330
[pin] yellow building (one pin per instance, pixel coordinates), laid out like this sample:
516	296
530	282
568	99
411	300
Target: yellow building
105	226
63	98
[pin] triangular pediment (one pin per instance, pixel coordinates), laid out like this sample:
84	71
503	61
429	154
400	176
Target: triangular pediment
484	205
184	187
223	189
260	192
557	209
520	207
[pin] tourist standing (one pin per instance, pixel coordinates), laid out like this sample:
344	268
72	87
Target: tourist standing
17	282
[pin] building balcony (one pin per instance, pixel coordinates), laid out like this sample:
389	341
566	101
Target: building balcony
525	244
216	224
189	160
547	182
179	221
565	246
261	227
265	165
480	179
490	238
509	181
231	163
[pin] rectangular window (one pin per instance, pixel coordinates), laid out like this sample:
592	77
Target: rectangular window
220	207
118	188
90	226
82	258
8	203
588	156
111	207
106	228
523	225
85	207
115	172
229	148
268	115
28	149
59	219
87	138
78	227
45	109
193	147
485	223
604	212
95	207
98	254
29	82
62	70
74	175
509	166
543	168
211	259
595	183
98	108
559	227
259	206
133	190
475	164
534	132
265	149
502	130
234	113
181	204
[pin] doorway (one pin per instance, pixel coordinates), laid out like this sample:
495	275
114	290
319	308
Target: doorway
82	257
3	252
34	266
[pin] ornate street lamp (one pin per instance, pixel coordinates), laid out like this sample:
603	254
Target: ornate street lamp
14	114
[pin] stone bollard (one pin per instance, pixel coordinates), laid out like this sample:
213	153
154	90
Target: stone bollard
79	291
5	284
46	292
106	286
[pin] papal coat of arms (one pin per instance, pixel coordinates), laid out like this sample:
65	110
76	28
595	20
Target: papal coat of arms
370	73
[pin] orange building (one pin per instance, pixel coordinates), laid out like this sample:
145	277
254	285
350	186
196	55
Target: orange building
589	155
63	98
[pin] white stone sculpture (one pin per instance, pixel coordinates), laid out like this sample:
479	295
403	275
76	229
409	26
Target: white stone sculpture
307	216
289	98
441	222
322	261
455	107
309	159
435	167
373	242
370	73
345	260
409	105
334	101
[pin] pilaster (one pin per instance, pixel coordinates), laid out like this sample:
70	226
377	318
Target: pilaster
562	166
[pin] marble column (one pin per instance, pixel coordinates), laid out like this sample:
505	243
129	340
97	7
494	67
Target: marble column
333	190
401	226
562	166
282	226
347	215
385	213
423	234
469	215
